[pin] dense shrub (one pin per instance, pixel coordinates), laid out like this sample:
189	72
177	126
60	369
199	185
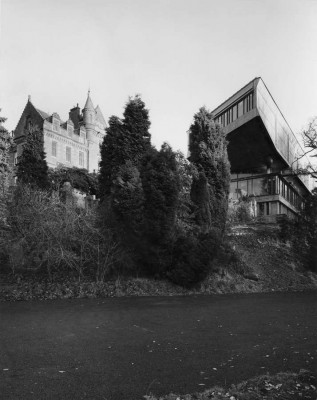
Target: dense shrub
160	183
301	233
240	211
192	258
79	178
44	233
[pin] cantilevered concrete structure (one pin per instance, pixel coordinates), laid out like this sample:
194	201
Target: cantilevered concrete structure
262	149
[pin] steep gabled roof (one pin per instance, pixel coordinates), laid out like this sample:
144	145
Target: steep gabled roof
100	116
43	114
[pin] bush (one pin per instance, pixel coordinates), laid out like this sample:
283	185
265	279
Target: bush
79	178
45	234
192	258
301	232
241	211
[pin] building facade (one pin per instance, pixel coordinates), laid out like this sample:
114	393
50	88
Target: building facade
263	151
71	143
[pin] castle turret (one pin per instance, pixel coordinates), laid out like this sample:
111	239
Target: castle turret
89	113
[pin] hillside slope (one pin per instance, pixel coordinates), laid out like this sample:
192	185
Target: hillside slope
262	263
252	259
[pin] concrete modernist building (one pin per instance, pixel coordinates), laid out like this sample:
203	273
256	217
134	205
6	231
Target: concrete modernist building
74	143
262	149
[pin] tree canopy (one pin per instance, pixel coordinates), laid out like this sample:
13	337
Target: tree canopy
5	169
5	145
32	167
208	152
126	140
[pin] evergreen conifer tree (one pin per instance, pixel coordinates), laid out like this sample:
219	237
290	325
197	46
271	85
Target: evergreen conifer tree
160	183
208	152
113	155
137	124
126	140
32	167
161	187
5	144
5	169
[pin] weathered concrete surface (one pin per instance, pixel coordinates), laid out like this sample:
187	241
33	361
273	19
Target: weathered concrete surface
125	347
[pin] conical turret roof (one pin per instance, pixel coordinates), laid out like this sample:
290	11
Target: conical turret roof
89	105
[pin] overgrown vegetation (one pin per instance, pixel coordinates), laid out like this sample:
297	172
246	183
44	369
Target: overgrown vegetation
241	210
79	178
158	201
5	168
158	214
150	219
302	233
47	235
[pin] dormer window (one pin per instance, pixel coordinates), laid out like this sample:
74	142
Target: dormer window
56	124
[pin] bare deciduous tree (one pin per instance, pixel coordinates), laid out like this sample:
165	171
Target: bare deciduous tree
47	233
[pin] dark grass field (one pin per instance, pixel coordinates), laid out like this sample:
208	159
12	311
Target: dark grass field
124	348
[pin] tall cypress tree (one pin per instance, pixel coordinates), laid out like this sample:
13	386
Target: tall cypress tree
161	186
137	124
5	170
208	152
126	140
5	144
32	167
112	151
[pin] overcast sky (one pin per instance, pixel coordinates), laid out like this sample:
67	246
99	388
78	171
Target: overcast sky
178	54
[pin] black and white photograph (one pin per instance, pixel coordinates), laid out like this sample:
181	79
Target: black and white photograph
158	199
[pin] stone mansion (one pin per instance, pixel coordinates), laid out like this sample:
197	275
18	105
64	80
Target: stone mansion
71	143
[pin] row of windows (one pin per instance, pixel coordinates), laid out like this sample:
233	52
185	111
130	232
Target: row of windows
68	154
236	111
279	186
267	186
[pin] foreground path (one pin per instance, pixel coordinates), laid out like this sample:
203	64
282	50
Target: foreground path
125	347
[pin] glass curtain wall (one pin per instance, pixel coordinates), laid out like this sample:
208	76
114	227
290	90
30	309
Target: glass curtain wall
265	186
